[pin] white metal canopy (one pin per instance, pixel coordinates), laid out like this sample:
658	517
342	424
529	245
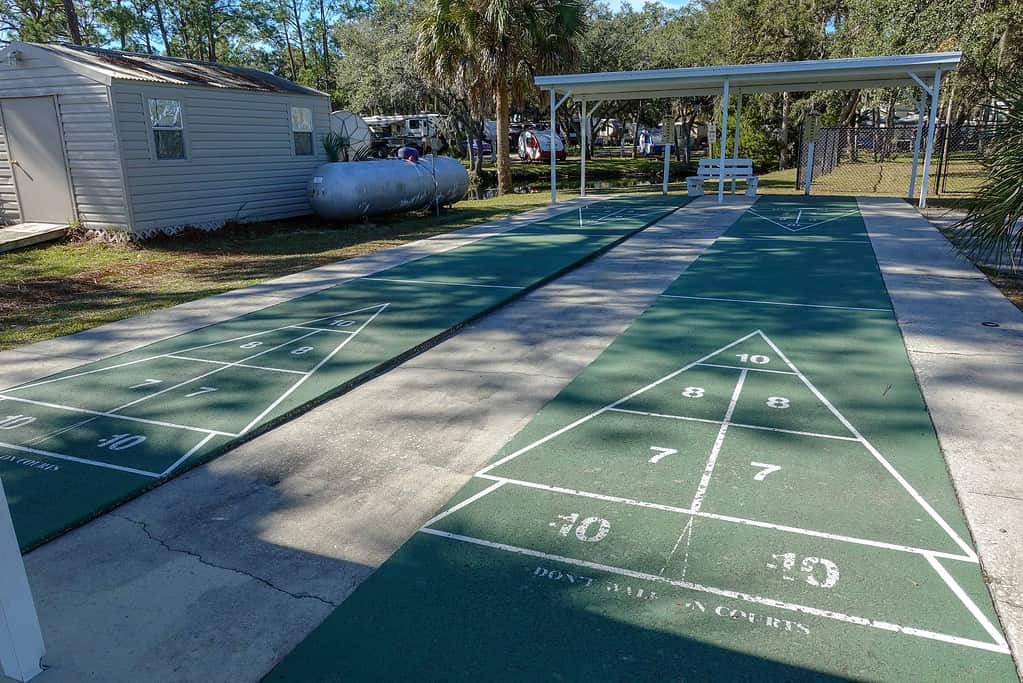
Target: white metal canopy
897	71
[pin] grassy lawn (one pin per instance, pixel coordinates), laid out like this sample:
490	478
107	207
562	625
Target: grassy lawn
889	178
54	290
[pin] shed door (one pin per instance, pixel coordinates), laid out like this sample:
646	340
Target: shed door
36	151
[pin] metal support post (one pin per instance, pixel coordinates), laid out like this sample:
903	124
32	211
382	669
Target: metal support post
584	129
21	640
931	122
916	143
554	156
735	143
724	143
667	167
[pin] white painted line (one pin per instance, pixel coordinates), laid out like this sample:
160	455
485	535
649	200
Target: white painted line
687	530
968	603
708	470
471	499
153	395
822	239
645	413
236	365
877	455
739	425
318	329
805	227
613	404
316	367
775	303
185	350
100	413
734	595
83	461
438	282
191	451
738	367
735	520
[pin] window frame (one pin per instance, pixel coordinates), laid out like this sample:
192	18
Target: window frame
311	132
154	149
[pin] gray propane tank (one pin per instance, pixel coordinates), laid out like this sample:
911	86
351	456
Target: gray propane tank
357	189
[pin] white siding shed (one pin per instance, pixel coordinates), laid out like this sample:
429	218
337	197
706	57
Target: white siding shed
151	144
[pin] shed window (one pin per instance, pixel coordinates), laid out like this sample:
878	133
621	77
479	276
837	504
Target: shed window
302	130
168	132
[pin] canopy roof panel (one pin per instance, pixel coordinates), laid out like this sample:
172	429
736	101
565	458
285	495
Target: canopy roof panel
820	74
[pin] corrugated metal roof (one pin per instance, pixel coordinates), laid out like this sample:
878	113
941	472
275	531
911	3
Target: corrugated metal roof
134	66
820	74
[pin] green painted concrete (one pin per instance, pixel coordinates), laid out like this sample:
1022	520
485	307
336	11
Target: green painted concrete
739	488
77	443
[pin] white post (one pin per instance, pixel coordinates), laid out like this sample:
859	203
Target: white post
584	127
916	143
21	640
735	143
554	156
724	143
931	121
667	167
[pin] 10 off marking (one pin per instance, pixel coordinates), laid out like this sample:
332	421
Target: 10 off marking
588	530
120	442
816	571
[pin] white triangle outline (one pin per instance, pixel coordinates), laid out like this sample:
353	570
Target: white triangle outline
967	550
323	361
251	335
853	212
930	556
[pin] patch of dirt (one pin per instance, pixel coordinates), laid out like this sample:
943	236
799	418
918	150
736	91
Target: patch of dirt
19	296
1011	287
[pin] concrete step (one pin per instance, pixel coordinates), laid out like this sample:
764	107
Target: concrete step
25	234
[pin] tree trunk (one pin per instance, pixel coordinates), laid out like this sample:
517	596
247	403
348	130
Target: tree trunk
71	16
297	16
291	52
162	27
323	40
504	179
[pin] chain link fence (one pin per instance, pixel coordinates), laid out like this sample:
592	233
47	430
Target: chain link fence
855	160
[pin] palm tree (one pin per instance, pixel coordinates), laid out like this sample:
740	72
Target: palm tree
491	49
992	230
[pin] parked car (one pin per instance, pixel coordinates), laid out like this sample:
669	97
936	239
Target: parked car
535	145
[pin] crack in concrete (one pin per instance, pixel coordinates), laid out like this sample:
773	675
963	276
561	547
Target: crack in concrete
996	495
269	584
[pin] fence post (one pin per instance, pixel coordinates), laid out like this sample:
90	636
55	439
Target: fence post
21	640
809	132
667	167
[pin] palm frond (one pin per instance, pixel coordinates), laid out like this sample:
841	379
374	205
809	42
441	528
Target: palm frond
992	230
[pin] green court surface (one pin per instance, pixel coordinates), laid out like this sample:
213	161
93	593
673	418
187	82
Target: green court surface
79	442
745	486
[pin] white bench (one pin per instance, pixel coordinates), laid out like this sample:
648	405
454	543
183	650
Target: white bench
710	169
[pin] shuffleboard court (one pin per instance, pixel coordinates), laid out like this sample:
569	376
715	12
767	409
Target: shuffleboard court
746	485
78	442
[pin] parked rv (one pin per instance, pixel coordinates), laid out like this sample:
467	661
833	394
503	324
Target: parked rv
535	145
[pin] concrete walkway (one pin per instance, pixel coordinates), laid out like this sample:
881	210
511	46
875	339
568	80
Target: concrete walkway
219	573
44	358
965	341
